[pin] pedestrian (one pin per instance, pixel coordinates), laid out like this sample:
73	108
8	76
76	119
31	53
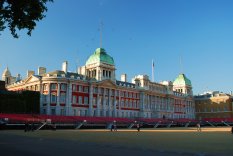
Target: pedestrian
54	127
112	127
33	126
198	127
138	127
26	127
115	127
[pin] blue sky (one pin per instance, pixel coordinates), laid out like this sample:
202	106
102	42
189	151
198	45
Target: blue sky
134	32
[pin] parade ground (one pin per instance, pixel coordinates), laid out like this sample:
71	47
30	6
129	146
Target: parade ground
159	142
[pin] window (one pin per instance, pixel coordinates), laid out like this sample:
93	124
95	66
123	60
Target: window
126	94
53	111
130	95
74	99
85	100
44	111
45	87
122	94
53	98
80	88
95	90
63	98
117	92
94	100
225	108
62	112
53	86
44	98
74	88
101	90
106	91
63	87
80	99
86	89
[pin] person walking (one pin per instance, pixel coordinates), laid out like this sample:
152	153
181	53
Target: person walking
198	127
115	127
138	127
112	126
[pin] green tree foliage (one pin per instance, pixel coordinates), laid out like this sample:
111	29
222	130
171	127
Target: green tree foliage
22	102
21	14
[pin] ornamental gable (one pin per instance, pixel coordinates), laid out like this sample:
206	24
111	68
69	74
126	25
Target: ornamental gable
31	79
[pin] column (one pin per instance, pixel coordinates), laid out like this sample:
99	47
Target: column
48	101
109	103
141	104
114	105
58	107
98	102
104	103
119	104
90	111
68	109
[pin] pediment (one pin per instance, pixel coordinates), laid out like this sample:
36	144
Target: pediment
107	84
31	79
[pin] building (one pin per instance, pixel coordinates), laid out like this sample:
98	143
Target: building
213	105
6	76
94	91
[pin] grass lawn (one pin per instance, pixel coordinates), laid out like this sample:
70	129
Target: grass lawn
211	141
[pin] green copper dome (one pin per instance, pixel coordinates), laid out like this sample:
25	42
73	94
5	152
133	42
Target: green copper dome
182	80
100	56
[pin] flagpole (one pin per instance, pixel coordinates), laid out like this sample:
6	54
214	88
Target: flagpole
153	70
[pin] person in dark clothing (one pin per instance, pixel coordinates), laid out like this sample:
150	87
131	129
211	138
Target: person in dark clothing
26	127
112	127
32	128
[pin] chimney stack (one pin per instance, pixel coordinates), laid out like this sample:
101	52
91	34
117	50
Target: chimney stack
30	72
65	66
124	77
41	70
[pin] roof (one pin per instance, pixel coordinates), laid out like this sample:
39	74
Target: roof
182	80
126	84
60	73
6	72
100	55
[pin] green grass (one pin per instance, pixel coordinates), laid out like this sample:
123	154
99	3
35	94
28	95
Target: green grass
218	143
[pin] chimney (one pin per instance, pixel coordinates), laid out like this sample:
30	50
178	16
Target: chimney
124	77
41	70
65	66
30	72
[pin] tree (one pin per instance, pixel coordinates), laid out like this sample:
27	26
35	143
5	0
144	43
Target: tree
21	14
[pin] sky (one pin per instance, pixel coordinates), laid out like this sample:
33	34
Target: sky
194	37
